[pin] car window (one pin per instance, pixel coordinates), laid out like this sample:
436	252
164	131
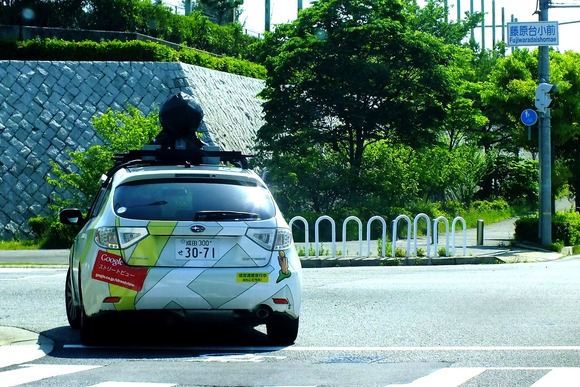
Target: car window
193	199
97	204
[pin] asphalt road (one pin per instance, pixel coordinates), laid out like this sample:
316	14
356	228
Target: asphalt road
484	325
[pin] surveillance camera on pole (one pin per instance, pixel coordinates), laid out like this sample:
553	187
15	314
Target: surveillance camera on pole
544	99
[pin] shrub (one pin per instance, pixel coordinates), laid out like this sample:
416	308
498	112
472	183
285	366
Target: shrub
565	228
115	50
51	234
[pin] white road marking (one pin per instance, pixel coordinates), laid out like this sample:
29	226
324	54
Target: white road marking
338	349
16	354
444	377
235	358
34	372
561	377
132	384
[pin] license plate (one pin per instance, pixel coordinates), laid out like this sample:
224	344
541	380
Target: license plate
196	249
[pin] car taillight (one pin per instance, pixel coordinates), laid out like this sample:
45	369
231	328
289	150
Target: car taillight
119	237
106	237
283	239
271	239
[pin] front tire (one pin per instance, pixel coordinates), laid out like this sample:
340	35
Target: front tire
73	311
282	330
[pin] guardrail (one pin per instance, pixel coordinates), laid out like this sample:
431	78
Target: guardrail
429	240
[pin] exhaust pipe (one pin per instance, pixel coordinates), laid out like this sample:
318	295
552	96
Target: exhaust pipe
262	313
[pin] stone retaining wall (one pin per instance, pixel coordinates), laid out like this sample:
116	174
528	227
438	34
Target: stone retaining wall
46	109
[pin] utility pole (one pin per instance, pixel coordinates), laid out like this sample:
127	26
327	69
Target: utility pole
267	15
545	143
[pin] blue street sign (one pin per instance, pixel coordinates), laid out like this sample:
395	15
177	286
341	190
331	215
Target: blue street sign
529	117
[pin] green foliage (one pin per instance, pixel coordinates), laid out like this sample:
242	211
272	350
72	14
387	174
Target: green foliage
27	244
514	179
489	212
142	16
343	83
120	131
454	174
51	234
223	11
56	49
79	178
565	228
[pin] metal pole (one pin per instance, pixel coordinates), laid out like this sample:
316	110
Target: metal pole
493	39
483	25
471	12
502	24
479	234
545	143
458	10
266	15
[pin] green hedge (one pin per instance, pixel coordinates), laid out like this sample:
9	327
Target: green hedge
135	51
565	228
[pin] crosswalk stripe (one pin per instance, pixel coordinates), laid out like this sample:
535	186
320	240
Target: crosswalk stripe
17	354
34	372
561	377
444	377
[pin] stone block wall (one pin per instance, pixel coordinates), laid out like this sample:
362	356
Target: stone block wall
46	109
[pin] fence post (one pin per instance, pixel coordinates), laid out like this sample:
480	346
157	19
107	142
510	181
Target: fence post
359	222
384	234
464	233
394	239
306	232
316	237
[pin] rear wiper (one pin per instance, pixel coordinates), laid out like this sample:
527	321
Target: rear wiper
225	215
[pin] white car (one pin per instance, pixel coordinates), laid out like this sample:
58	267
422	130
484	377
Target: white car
176	237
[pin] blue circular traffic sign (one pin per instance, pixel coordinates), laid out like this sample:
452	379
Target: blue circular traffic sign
529	117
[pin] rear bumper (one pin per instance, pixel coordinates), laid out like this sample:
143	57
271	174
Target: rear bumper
191	290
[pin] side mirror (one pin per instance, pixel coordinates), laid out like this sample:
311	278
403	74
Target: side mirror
72	216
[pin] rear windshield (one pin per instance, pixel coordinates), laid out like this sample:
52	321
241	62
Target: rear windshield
193	199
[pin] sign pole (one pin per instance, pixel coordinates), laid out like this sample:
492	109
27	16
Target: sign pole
545	146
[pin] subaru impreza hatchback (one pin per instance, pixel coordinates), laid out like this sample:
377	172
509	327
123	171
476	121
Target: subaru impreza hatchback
183	238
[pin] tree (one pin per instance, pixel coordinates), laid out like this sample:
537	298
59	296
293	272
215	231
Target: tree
565	73
508	90
222	11
348	73
120	131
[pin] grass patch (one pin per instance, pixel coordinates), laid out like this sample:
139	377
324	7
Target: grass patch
489	216
19	245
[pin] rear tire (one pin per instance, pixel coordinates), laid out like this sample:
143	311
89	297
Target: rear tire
73	312
282	330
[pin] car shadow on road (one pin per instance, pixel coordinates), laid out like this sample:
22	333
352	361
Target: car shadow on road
159	340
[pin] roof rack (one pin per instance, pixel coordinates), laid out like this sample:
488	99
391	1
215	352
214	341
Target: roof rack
155	155
159	156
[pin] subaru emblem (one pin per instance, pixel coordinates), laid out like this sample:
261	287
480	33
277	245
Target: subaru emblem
197	228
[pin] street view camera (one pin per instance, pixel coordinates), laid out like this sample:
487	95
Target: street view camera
180	118
178	142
